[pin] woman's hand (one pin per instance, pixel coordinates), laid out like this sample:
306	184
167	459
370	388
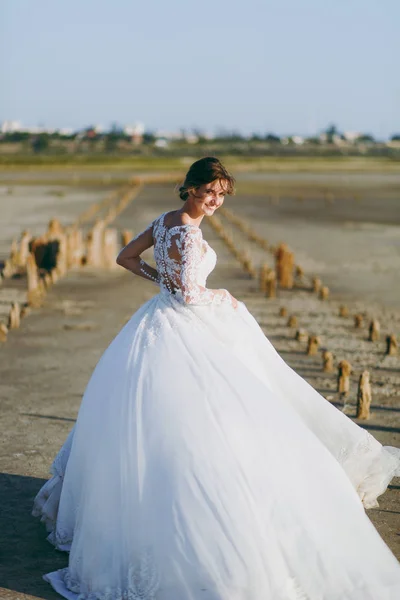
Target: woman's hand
234	302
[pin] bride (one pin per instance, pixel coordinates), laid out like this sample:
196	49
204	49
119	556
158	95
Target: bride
201	467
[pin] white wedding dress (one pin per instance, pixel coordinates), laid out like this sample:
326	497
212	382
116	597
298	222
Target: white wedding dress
202	467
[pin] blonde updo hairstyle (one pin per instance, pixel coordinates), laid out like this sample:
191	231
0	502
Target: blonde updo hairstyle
206	170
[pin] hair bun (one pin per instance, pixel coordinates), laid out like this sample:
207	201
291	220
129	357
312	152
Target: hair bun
183	193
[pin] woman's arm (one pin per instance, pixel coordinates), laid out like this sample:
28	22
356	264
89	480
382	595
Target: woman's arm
188	246
130	258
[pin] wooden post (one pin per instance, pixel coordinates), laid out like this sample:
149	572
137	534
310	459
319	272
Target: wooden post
126	237
283	311
324	293
271	285
391	345
292	321
313	345
62	255
54	276
344	372
299	273
264	271
14	317
374	331
34	295
327	358
358	321
284	265
75	247
343	311
3	332
301	335
48	282
54	229
24	250
110	248
364	397
94	257
287	271
317	284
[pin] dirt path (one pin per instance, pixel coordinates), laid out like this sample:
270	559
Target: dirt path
44	369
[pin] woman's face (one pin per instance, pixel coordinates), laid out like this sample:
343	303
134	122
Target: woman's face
208	197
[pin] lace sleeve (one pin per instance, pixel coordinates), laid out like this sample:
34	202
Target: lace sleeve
130	258
190	246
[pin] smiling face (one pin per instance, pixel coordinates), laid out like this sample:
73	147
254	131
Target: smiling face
208	197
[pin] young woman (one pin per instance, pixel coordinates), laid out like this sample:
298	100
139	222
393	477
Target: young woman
201	466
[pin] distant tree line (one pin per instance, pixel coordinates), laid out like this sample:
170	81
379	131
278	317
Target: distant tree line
116	140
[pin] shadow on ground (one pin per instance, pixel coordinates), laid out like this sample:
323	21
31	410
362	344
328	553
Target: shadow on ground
25	553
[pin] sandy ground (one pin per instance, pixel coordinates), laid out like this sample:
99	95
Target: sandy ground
32	207
45	365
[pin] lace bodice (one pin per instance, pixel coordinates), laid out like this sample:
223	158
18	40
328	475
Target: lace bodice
184	260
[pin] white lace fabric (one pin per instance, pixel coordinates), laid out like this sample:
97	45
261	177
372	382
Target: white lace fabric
184	260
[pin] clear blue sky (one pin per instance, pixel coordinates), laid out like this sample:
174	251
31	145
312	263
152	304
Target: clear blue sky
285	66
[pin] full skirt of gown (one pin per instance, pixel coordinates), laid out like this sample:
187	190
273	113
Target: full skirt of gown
202	467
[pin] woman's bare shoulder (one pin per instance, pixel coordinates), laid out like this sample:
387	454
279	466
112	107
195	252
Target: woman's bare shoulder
176	218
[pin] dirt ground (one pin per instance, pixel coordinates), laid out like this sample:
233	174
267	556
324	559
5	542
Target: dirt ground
45	365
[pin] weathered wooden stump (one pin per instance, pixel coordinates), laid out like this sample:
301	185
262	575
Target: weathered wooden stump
313	345
327	358
11	264
316	284
302	335
14	317
344	372
283	311
292	321
94	256
62	255
34	295
299	273
284	265
75	247
25	311
24	249
110	248
364	396
271	285
324	293
8	268
374	331
126	237
391	345
54	229
263	277
54	276
3	332
343	311
48	281
358	321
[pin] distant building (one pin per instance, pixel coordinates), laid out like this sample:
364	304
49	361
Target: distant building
161	143
10	126
351	136
298	139
135	132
